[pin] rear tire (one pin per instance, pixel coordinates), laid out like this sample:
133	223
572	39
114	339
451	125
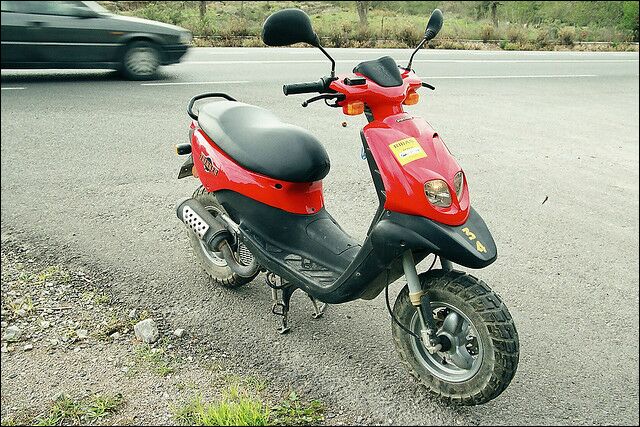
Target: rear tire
487	339
140	61
213	263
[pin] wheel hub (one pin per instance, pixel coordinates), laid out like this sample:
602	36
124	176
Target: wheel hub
460	357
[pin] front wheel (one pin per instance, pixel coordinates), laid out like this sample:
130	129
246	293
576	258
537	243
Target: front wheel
482	350
140	61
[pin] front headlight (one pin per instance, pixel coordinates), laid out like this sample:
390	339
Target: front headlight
458	184
185	38
437	192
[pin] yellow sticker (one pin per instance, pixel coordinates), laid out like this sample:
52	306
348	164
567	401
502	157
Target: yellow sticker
407	150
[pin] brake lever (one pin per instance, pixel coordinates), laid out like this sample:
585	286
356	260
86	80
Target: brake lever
314	99
325	96
428	86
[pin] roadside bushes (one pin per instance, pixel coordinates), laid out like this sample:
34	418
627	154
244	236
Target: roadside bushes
487	32
567	35
238	23
409	36
163	12
516	34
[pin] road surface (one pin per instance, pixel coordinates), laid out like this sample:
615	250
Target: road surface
549	143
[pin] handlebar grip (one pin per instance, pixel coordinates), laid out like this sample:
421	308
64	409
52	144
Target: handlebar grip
311	87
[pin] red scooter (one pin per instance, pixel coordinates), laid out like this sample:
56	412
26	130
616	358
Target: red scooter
260	208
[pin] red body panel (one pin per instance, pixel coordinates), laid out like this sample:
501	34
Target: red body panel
383	101
404	184
226	174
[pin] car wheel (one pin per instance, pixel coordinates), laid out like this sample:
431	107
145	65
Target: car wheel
140	61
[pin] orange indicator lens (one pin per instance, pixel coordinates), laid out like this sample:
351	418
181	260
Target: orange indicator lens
411	99
353	108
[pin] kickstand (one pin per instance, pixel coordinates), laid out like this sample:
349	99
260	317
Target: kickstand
318	310
281	306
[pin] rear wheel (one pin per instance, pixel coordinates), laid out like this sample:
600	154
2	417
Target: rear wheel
483	349
213	262
140	61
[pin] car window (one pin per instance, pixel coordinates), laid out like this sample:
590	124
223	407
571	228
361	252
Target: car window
10	6
65	8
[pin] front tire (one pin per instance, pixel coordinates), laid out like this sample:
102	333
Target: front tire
212	262
484	350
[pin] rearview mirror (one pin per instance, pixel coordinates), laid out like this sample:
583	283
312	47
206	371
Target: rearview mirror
434	25
287	27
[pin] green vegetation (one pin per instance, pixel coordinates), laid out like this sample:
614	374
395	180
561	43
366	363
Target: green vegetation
238	407
292	412
525	24
68	411
156	358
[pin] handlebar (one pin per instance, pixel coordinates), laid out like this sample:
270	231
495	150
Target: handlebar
321	86
311	87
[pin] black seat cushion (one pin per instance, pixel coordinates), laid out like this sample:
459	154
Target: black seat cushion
257	140
384	71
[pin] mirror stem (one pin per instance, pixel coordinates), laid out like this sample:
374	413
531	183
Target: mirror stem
424	40
333	62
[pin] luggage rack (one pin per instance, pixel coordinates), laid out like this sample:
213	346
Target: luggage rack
193	100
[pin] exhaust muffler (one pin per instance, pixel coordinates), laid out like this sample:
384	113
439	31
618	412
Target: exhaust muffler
213	233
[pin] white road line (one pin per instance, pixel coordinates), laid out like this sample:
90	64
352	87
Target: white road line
533	76
195	83
452	61
226	53
13	88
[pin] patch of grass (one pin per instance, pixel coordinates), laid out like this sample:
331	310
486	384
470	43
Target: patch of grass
250	382
48	273
24	303
292	412
102	406
236	408
99	298
68	411
111	325
239	407
143	315
156	358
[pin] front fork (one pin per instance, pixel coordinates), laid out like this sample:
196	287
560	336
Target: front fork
420	300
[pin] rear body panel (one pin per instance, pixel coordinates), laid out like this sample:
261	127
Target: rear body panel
217	171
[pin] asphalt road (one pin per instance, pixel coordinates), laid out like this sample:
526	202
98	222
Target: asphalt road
88	171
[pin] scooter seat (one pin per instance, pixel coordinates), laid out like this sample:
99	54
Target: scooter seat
258	141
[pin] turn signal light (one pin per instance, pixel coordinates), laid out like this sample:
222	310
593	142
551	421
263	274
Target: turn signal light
411	99
353	108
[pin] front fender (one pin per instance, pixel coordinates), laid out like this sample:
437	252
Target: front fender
470	244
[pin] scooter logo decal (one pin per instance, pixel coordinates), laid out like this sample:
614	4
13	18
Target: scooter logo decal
472	236
208	165
407	150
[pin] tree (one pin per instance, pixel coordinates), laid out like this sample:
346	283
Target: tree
203	9
483	7
494	12
363	8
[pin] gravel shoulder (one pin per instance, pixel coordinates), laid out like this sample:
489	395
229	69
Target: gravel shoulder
65	335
